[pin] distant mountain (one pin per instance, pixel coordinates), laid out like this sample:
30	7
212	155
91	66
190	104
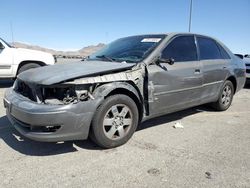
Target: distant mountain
82	52
90	49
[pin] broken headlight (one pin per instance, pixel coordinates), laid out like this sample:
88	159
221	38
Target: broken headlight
65	94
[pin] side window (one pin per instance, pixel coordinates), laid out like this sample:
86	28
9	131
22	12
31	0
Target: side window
208	49
223	52
182	48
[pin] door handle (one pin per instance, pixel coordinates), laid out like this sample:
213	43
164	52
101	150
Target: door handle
197	71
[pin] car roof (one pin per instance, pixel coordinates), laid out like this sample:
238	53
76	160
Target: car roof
173	34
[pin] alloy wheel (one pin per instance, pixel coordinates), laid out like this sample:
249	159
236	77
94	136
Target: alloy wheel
117	121
226	95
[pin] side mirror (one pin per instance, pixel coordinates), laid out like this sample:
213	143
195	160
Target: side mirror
1	46
170	61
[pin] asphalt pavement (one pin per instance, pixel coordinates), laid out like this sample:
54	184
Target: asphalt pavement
211	150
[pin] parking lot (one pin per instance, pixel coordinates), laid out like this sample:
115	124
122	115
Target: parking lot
212	150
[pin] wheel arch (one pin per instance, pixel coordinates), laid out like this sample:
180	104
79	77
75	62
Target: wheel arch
126	88
27	62
234	82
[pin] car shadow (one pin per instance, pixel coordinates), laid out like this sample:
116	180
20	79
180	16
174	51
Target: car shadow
176	116
6	83
33	148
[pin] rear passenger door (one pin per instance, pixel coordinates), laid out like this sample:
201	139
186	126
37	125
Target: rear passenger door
177	86
215	61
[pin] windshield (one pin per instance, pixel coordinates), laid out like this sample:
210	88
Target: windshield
130	49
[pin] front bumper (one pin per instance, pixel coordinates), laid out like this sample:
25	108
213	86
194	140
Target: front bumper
49	123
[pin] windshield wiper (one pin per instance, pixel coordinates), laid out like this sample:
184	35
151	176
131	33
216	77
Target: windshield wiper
112	59
106	57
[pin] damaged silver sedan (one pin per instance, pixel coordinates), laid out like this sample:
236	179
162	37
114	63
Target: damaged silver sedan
129	81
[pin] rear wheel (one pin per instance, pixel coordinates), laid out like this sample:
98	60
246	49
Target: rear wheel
115	121
27	67
226	97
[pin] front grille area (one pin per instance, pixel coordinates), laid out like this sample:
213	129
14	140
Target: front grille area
248	71
247	64
24	89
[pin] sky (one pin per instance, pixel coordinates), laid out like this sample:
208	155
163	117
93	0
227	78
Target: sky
73	24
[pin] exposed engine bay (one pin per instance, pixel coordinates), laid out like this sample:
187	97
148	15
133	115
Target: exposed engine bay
77	90
61	94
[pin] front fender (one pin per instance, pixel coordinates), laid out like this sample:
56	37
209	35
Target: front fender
125	88
105	89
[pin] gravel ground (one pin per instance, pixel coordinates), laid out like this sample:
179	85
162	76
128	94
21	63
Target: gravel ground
212	150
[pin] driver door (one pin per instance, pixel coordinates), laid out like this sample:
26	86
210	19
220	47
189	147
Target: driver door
178	86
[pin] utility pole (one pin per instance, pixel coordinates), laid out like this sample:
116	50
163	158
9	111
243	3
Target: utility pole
190	15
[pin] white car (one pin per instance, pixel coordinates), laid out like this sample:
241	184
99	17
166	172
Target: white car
16	60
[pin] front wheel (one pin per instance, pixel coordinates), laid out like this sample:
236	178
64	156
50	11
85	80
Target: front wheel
115	121
226	97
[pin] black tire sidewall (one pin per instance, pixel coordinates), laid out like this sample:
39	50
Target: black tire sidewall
97	133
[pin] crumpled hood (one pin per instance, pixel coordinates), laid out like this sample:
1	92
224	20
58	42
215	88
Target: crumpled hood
67	71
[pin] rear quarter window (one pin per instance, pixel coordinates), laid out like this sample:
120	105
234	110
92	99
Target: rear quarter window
223	52
208	49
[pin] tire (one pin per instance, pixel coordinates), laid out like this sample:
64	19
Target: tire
27	66
114	122
225	98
